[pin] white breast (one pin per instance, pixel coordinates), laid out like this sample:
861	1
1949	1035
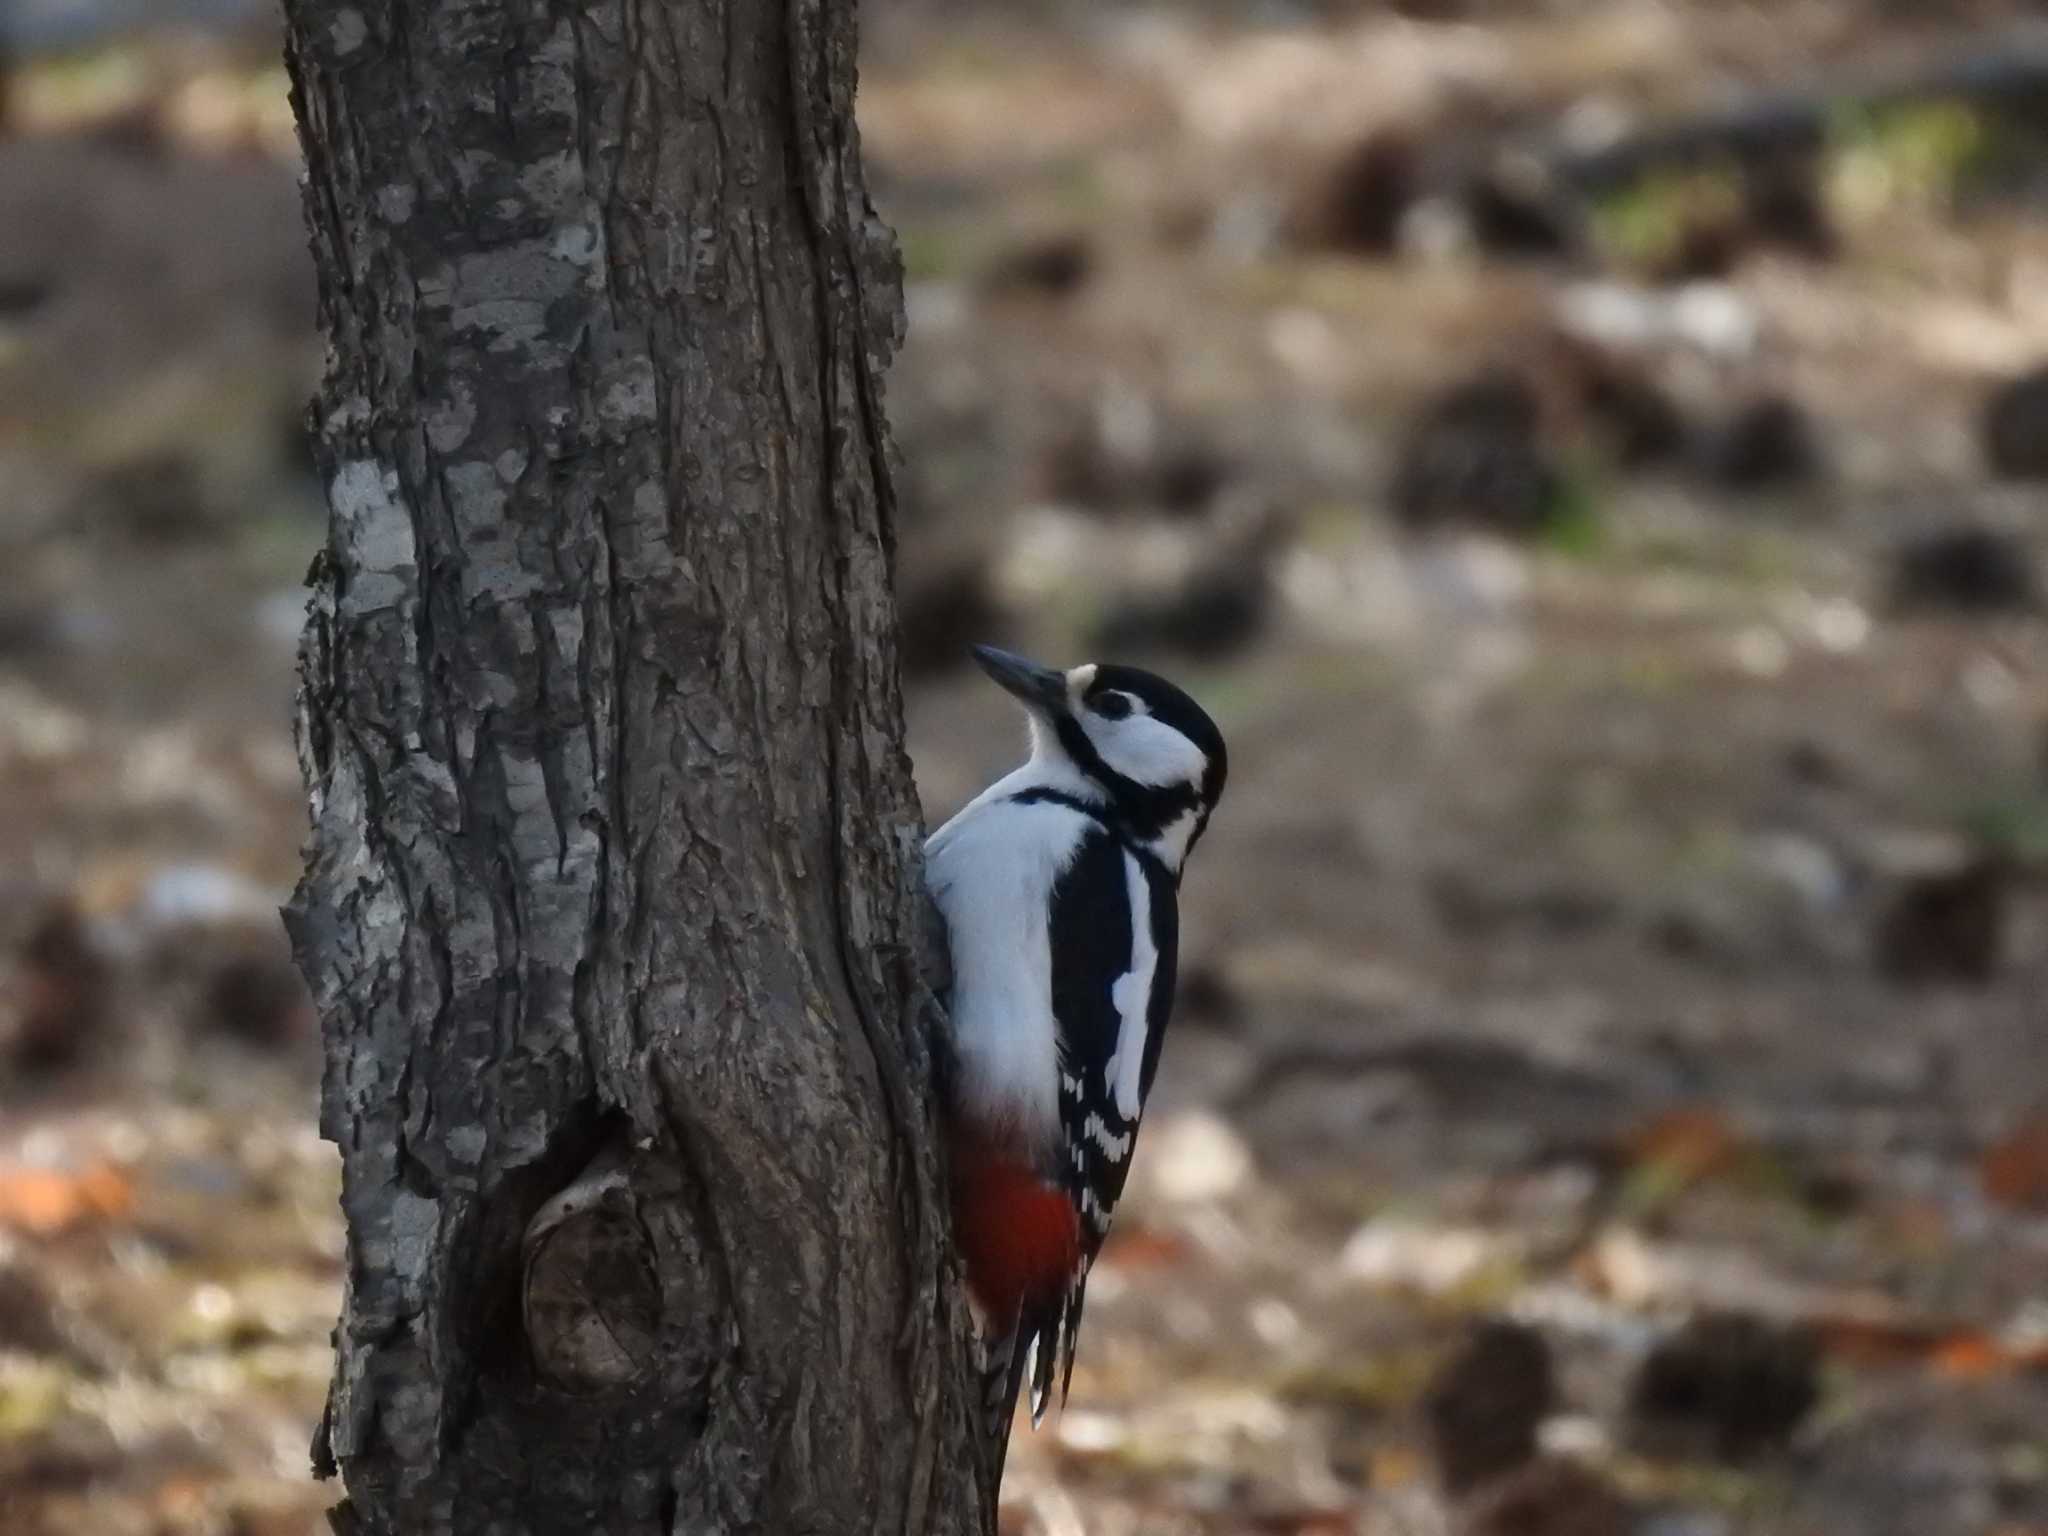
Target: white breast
991	869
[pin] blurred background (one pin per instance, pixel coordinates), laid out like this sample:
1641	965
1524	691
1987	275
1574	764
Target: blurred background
1592	457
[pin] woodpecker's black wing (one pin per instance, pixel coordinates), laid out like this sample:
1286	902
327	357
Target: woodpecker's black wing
1115	932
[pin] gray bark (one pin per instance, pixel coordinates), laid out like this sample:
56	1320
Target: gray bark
610	905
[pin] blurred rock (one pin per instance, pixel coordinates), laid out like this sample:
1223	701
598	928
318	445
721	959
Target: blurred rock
1832	1192
53	983
1393	1253
257	996
55	27
1357	202
1947	926
201	895
1776	204
1182	220
1802	877
2016	427
232	979
1485	1404
1217	611
1475	456
1706	249
1728	1385
1079	469
1089	1434
23	293
1608	398
1640	424
1767	444
1054	266
1714	319
1470	578
1965	570
943	611
1704	930
1514	212
154	499
1204	992
1187	474
181	291
29	630
1128	454
1485	903
29	1314
1784	206
1815	765
1196	1158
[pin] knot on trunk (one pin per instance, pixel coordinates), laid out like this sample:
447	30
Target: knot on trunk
591	1290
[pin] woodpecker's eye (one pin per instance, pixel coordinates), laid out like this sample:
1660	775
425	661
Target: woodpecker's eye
1113	706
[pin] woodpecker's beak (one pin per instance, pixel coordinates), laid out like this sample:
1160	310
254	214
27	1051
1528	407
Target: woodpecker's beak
1037	688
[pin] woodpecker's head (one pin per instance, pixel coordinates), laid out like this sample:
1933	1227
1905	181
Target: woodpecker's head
1139	746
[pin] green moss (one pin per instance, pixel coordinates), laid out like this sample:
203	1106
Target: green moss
933	251
1375	1384
1574	525
85	83
1488	1288
1648	675
1918	154
2013	826
1644	223
1078	188
1709	1485
34	1394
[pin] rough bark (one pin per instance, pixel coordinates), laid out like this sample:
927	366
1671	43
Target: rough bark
610	902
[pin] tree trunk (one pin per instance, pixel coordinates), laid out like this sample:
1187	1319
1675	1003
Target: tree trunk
611	907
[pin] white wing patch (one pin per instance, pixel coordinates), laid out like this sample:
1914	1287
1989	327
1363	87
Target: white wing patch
1132	995
1116	1147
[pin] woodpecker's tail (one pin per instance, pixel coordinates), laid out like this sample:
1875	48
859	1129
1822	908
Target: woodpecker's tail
1004	1363
1024	1353
1030	1350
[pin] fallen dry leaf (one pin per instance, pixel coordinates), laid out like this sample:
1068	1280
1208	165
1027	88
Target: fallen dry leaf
1689	1143
1396	1466
1308	1520
2014	1169
1953	1349
45	1201
1136	1247
1968	1355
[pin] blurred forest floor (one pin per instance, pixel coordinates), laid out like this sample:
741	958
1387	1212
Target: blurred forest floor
1594	460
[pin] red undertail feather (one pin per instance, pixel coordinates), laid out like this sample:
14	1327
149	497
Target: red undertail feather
1020	1234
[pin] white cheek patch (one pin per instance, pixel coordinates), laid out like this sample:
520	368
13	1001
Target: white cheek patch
1146	750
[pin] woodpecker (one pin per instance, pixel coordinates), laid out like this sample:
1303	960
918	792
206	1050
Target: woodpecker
1059	884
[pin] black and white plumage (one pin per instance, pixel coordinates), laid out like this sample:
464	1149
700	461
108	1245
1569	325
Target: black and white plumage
1059	885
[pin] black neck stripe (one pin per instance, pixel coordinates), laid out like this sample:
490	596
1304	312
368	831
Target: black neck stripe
1045	796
